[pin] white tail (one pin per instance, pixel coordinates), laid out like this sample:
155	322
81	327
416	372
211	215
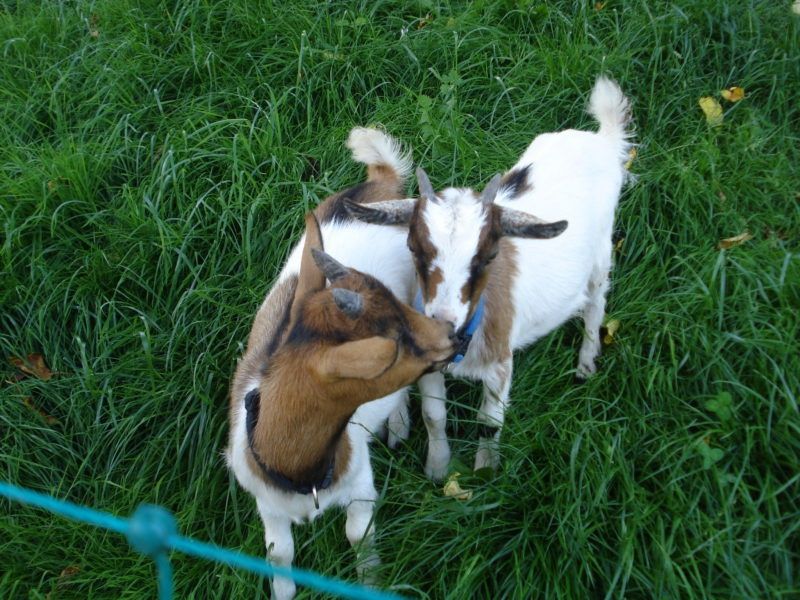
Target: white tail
609	106
375	148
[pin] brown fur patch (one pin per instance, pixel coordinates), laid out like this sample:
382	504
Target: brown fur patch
423	251
383	173
499	308
272	317
488	247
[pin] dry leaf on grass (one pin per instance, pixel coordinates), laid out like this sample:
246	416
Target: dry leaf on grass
32	365
712	110
93	31
733	94
736	240
632	156
69	571
618	245
599	5
49	419
610	329
66	573
452	489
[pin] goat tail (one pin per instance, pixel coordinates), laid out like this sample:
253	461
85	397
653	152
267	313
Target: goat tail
611	109
384	156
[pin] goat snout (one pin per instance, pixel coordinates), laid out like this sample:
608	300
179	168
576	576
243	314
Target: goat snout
447	316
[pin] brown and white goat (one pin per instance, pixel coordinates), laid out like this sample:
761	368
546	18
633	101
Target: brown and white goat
488	253
322	371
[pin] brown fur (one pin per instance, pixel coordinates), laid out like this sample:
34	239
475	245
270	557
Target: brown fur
423	251
499	310
488	249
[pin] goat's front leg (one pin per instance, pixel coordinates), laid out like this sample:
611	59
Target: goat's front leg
360	530
434	413
280	549
496	385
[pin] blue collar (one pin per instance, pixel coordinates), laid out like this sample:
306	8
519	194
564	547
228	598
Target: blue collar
469	329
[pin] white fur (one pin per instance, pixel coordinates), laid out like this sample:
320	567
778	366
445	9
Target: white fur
388	259
373	147
574	175
454	223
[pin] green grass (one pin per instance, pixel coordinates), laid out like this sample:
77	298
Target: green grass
154	176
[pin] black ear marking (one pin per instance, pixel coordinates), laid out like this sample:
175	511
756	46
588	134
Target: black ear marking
516	182
516	223
545	231
391	212
252	401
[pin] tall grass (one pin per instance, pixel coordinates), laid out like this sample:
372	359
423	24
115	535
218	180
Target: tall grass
156	159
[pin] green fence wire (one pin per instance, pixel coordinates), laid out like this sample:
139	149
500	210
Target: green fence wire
152	530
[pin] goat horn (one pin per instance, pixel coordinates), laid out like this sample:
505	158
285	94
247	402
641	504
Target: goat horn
425	187
350	303
491	189
331	267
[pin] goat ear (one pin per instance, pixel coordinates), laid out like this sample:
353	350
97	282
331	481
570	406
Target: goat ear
390	212
311	278
490	191
361	359
349	302
516	223
330	267
425	187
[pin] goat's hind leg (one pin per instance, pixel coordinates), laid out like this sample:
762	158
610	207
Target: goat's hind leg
398	426
593	314
280	549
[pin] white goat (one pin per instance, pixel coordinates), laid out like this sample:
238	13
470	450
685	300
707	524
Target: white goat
481	267
303	399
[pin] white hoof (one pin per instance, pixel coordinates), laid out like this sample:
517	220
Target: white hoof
436	466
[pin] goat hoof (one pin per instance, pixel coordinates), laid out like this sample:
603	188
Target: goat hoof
487	459
584	372
396	433
436	472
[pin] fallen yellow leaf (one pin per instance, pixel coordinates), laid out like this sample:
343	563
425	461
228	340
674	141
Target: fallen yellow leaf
618	245
32	365
611	327
733	94
632	154
712	109
736	240
599	5
452	489
66	573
